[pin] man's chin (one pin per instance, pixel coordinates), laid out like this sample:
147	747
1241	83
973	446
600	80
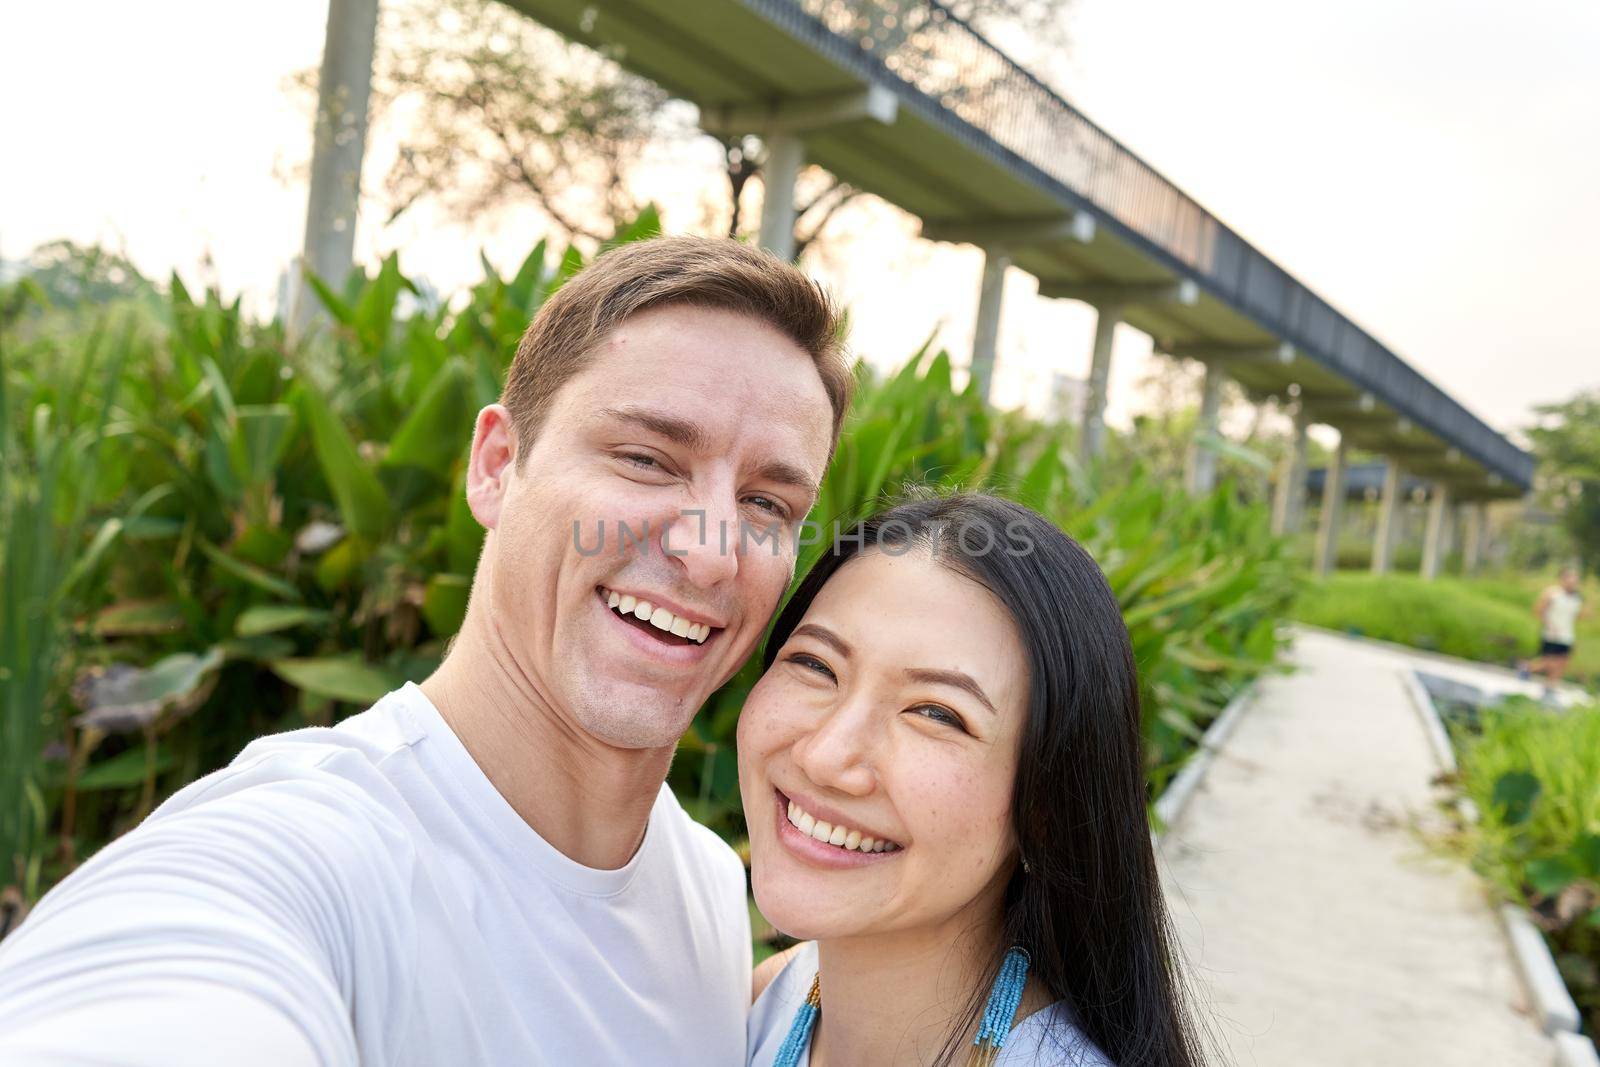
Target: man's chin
632	719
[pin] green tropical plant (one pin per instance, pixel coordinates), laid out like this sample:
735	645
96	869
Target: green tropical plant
51	440
1534	776
292	539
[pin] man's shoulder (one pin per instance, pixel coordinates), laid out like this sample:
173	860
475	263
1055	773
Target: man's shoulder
344	760
699	847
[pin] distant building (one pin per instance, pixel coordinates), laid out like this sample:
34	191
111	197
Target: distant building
1067	394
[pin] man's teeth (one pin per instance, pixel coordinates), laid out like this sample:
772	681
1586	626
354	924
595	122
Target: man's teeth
842	836
660	618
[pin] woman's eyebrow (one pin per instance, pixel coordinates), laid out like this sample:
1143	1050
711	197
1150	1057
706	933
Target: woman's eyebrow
825	635
955	679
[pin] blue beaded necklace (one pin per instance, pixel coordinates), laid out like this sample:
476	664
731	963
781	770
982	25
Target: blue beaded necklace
998	1015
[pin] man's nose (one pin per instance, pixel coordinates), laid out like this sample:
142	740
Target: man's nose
704	538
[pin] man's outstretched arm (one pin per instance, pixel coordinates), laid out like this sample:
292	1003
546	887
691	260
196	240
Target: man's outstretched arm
218	933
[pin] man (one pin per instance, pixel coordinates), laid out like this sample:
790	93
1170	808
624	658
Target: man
1558	609
487	868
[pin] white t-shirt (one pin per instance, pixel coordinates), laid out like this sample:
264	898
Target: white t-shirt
363	894
1048	1038
1561	611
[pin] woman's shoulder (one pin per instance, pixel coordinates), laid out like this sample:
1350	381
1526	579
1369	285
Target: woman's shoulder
774	965
781	983
1050	1037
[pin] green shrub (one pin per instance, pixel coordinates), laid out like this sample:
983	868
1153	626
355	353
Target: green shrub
291	538
1534	776
1445	615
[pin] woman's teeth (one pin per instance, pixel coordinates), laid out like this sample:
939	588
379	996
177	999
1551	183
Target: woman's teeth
660	618
842	836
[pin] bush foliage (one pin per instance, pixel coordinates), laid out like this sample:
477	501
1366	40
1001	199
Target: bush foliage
1534	776
279	535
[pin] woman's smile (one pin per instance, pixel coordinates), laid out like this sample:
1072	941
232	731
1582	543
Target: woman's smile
826	844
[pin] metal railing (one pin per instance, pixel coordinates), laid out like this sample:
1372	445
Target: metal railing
923	47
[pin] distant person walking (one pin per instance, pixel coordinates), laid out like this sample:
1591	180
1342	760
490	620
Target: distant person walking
1558	609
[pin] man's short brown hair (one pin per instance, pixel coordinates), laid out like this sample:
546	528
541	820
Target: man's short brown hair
713	272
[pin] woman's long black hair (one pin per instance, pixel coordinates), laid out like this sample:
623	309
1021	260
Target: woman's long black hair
1089	909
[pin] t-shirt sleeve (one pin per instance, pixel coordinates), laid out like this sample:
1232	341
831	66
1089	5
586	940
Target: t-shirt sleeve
222	930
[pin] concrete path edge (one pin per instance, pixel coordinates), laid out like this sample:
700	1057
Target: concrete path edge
1176	797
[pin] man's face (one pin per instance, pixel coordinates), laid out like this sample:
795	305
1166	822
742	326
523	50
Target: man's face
1569	580
690	432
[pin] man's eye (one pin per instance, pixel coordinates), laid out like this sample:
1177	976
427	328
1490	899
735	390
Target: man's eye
769	505
811	663
940	714
639	459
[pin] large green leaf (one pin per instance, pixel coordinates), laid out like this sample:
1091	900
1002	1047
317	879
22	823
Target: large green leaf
444	602
122	698
126	770
270	618
356	489
346	678
249	572
1514	795
131	618
438	431
260	437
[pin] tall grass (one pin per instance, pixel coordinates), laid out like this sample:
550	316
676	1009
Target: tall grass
49	460
1488	619
1535	778
1445	615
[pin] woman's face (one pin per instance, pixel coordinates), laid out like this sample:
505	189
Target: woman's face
892	713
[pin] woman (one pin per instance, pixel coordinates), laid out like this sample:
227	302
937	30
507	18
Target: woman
942	775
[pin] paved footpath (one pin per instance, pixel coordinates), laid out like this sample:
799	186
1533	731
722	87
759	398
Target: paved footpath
1319	926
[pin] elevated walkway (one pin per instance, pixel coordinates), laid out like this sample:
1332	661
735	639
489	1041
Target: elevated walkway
902	99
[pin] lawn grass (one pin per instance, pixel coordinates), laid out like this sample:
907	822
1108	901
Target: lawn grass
1489	619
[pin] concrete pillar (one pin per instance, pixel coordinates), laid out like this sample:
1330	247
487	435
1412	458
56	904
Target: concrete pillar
1092	427
1327	556
986	334
1388	520
1474	522
786	154
1202	465
339	142
1433	541
1289	504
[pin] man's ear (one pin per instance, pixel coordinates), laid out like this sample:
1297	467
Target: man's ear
494	455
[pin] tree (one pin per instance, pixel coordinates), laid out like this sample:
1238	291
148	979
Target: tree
494	109
1568	444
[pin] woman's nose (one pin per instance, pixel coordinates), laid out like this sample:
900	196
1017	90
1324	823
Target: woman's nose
840	753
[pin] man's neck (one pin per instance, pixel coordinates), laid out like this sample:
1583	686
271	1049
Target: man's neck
590	801
895	998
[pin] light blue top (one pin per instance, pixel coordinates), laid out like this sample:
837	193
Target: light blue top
1048	1038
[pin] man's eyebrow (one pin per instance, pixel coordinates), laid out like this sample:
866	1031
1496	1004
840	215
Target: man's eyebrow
823	634
679	431
787	474
955	679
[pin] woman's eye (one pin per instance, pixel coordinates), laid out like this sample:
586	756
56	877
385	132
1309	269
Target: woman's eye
941	714
811	663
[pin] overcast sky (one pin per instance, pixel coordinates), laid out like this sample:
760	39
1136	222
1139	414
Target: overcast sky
1431	167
